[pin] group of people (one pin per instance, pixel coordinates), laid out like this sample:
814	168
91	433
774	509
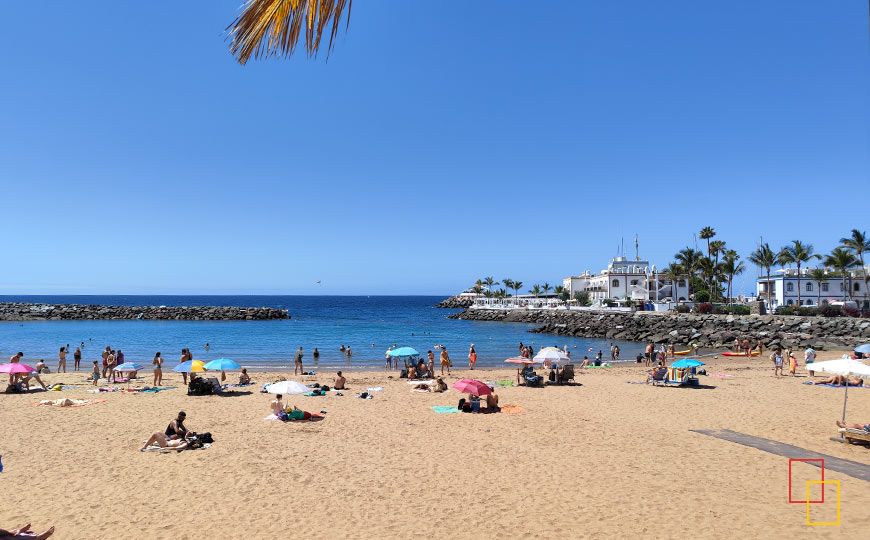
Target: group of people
21	381
473	404
77	358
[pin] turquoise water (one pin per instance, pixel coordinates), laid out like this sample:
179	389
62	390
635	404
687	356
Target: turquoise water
367	324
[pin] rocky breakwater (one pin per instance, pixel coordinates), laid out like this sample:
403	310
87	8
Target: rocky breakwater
708	331
456	302
10	311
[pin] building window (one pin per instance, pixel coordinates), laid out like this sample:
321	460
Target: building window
682	299
681	283
856	287
615	283
790	302
809	302
824	287
789	287
809	286
634	282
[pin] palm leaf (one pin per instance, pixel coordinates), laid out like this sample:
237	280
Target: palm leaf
274	27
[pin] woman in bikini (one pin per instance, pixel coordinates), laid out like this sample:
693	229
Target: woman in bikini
472	357
158	369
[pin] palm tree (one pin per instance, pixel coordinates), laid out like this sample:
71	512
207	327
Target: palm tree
732	266
859	243
717	247
546	288
477	289
819	276
517	285
706	234
562	292
709	270
490	283
673	272
274	27
797	253
842	260
508	283
689	260
536	290
764	257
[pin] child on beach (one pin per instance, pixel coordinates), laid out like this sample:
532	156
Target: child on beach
96	374
777	362
792	364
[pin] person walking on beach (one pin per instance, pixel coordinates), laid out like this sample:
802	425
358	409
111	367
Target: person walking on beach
61	360
297	361
472	357
445	361
77	359
648	355
158	369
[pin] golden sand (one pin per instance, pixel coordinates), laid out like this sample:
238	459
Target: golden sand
602	460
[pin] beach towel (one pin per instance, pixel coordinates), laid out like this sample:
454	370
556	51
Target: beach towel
512	409
723	375
834	385
315	394
155	448
375	389
66	403
506	383
444	409
105	389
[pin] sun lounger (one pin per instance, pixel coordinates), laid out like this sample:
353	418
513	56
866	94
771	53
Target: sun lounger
658	377
851	434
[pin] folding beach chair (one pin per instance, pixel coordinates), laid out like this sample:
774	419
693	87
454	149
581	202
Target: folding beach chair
658	377
568	375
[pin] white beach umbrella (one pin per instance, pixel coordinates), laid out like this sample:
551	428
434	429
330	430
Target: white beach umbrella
845	367
551	356
287	388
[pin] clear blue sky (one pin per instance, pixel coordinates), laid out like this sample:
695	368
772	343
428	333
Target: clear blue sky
440	143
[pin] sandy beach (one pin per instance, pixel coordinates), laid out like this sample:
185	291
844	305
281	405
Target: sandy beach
605	459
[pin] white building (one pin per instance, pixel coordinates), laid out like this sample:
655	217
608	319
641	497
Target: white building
782	289
624	279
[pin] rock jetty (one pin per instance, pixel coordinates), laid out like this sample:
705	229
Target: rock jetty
456	302
708	331
13	311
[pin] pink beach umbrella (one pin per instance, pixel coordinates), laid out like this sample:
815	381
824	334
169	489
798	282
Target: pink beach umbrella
521	360
472	386
16	367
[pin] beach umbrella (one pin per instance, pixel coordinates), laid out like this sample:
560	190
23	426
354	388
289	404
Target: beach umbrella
520	360
16	367
191	366
403	352
863	349
551	356
687	363
222	364
129	366
287	388
472	386
845	367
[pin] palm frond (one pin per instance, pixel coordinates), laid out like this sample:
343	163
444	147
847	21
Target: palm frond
268	28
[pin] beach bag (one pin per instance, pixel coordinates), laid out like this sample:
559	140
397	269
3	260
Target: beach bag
205	438
449	363
324	388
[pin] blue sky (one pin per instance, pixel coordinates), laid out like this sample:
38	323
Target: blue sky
440	143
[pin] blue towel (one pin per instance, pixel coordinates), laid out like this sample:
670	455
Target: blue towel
444	409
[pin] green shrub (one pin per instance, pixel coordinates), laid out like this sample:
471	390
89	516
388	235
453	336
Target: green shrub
702	297
738	310
807	311
827	310
682	309
785	310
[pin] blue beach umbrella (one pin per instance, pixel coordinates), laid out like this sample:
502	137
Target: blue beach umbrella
402	352
863	349
222	364
687	363
129	366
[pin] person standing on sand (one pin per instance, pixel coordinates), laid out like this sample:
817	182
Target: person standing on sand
648	355
105	355
61	360
96	373
792	364
472	357
612	353
184	358
615	353
672	351
158	369
777	362
77	359
445	361
746	346
809	359
297	361
111	365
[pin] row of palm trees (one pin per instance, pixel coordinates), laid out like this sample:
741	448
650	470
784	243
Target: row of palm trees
487	287
693	263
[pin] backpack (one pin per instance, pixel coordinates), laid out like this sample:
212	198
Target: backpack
205	438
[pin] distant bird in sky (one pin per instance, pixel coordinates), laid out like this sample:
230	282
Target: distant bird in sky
317	282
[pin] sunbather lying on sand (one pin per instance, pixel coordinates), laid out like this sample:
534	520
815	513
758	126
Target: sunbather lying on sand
25	532
865	427
841	381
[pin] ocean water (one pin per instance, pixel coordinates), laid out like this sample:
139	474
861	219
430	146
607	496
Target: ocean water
368	324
